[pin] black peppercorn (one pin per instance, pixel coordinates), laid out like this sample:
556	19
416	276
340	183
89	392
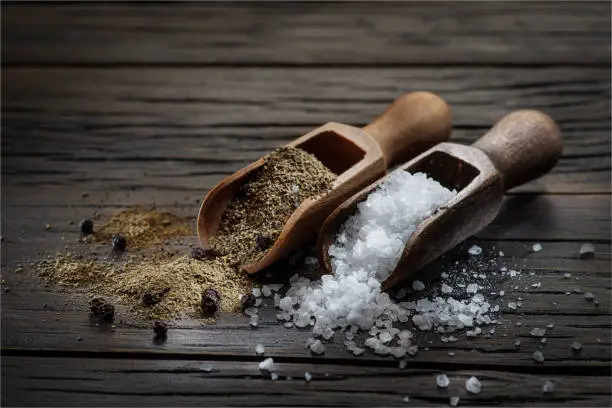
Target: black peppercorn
160	328
119	243
202	254
87	227
263	242
101	308
154	297
247	301
210	302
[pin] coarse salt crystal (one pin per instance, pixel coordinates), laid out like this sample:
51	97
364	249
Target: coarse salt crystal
473	385
567	275
442	381
257	292
254	321
274	376
512	305
548	387
260	349
537	332
418	285
403	364
267	365
517	343
266	291
446	288
587	250
576	346
317	347
307	376
472	288
589	296
454	401
536	247
538	356
475	250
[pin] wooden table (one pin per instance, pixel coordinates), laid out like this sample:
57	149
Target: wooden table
110	106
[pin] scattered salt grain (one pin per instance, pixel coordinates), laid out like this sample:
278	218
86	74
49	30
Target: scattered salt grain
260	349
537	332
451	354
258	302
517	344
576	346
567	275
472	288
412	350
536	285
257	292
403	364
475	250
446	289
587	250
254	321
502	293
538	356
274	376
589	296
307	376
406	399
536	247
473	385
442	381
207	368
544	340
418	285
550	326
266	291
512	305
288	325
454	401
548	387
317	347
267	365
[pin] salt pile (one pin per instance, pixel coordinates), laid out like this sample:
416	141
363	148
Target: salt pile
366	250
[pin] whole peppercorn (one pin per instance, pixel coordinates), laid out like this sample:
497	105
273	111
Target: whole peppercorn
247	301
202	254
101	308
210	302
263	242
160	328
119	243
154	297
86	227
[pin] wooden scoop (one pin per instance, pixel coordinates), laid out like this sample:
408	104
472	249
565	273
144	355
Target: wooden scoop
412	124
519	148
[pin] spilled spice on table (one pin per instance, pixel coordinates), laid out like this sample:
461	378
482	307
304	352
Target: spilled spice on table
254	218
142	227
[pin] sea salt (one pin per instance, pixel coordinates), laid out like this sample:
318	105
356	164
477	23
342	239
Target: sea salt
257	292
589	296
418	285
472	288
548	387
307	376
576	346
473	385
267	365
442	381
537	332
536	247
367	248
454	401
538	356
475	250
567	275
274	376
266	291
446	289
403	364
260	349
587	250
254	321
317	347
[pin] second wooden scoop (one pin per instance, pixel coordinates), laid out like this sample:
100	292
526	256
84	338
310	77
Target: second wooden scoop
412	124
519	148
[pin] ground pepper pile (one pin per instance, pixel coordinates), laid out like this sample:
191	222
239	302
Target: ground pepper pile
254	218
157	283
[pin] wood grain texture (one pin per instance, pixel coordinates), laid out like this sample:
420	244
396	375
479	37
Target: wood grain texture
113	382
503	33
201	124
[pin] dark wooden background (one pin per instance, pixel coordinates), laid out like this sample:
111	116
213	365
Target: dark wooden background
132	104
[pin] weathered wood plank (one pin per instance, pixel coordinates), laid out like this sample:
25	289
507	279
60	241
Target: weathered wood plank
325	33
30	326
57	382
194	127
522	217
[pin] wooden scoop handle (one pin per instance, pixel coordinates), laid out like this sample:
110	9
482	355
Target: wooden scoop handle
523	145
413	123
